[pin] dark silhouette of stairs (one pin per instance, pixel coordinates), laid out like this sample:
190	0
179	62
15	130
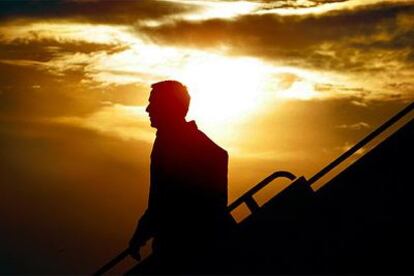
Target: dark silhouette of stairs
361	221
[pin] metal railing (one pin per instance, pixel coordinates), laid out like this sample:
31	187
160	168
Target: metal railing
362	143
248	196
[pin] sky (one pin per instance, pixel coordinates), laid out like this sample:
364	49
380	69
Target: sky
281	85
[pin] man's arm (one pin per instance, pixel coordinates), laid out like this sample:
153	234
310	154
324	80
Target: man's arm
143	231
146	225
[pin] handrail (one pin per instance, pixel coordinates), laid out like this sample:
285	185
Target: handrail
248	196
106	267
362	143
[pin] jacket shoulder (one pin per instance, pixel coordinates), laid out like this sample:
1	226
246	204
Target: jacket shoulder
210	145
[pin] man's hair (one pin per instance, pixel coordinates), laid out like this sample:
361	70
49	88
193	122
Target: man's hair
176	92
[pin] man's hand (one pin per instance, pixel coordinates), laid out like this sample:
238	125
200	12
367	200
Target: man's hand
134	252
134	246
141	235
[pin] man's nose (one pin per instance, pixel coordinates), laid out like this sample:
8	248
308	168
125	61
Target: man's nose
147	109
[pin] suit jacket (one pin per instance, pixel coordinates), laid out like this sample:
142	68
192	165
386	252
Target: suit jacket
187	208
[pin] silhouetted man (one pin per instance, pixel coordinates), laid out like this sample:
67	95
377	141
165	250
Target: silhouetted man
186	212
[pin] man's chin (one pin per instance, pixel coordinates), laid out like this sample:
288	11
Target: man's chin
153	125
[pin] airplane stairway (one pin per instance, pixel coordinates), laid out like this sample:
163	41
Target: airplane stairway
361	221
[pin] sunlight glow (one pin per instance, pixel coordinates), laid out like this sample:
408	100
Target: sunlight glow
217	9
301	90
223	89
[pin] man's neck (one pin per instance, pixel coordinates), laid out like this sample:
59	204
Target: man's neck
172	127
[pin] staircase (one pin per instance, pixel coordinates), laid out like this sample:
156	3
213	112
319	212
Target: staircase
361	221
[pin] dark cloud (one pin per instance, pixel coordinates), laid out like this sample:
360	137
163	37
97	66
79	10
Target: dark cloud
295	3
45	49
111	12
307	38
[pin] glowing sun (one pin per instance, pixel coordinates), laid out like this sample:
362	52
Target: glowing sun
222	89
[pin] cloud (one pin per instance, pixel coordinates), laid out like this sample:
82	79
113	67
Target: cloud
286	80
64	32
46	49
125	122
295	4
343	49
356	126
107	12
347	146
57	65
295	37
43	95
357	41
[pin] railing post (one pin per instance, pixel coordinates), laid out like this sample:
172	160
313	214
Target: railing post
251	204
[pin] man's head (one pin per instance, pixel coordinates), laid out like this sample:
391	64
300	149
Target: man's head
168	103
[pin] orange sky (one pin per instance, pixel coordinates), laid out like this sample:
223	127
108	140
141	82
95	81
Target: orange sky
282	85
